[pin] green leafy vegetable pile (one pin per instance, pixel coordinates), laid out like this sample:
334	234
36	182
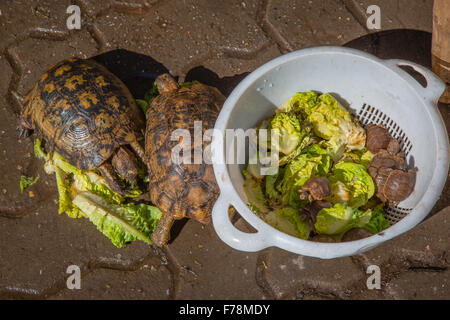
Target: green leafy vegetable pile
315	137
84	193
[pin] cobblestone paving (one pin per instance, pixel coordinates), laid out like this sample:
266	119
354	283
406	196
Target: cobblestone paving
228	38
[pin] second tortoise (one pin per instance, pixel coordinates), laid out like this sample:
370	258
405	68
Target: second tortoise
180	187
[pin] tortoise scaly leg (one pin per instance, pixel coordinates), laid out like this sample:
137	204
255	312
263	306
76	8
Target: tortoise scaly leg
136	146
161	235
24	129
113	181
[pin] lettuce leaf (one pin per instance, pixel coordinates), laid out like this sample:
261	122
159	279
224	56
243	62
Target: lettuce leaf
188	84
302	103
288	220
39	150
151	93
255	196
313	161
143	104
84	193
120	223
327	116
362	156
298	150
335	146
339	219
63	183
26	182
351	183
270	182
378	221
329	120
287	129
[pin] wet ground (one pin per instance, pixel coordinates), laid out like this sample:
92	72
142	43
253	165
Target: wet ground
217	43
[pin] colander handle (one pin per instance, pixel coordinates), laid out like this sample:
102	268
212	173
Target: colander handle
250	242
435	86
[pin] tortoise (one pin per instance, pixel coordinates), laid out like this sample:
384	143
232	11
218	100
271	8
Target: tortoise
317	188
179	189
377	137
312	209
87	115
393	180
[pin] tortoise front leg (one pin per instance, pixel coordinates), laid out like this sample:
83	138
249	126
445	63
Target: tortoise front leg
113	181
161	235
24	128
136	146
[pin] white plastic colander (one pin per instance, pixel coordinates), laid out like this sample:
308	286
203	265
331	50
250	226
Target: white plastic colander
377	91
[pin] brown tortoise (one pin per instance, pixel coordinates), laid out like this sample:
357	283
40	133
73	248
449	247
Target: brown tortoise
317	188
388	168
179	190
86	114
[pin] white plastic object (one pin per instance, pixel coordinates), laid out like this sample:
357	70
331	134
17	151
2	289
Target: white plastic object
376	90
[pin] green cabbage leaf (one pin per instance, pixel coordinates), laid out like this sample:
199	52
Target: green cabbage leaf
313	161
340	218
84	193
288	220
351	183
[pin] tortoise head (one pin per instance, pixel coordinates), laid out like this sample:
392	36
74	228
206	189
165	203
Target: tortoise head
166	83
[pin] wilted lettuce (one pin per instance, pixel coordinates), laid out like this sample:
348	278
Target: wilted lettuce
335	146
143	105
351	183
302	103
26	182
316	132
261	164
188	84
120	223
340	218
362	157
271	182
313	161
255	196
326	117
288	220
288	131
330	119
84	193
378	221
70	181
